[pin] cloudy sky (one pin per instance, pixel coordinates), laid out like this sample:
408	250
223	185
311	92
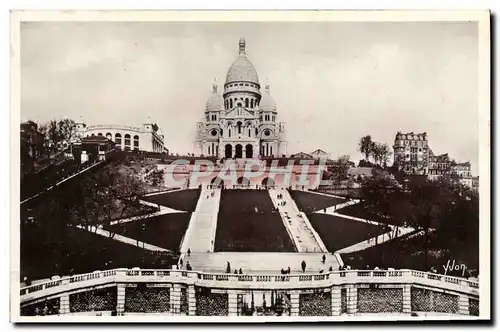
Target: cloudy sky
333	82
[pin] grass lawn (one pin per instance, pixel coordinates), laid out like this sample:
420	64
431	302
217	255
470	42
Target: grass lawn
309	202
242	201
164	231
252	231
184	200
338	233
78	251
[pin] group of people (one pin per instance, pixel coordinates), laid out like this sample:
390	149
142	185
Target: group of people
188	266
236	271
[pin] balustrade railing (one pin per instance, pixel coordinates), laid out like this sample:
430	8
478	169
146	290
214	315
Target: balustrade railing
232	280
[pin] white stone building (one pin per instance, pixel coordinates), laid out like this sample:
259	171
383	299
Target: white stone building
242	122
145	138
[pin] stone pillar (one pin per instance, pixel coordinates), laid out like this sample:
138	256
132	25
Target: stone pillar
406	299
294	303
463	305
175	299
64	304
352	299
232	303
191	293
120	299
336	300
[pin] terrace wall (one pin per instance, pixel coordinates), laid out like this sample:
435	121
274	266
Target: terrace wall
175	292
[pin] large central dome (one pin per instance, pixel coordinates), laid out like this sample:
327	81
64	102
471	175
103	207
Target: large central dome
242	69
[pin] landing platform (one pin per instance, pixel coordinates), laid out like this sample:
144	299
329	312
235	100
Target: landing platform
260	262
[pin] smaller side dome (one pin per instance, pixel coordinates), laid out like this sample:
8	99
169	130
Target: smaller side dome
267	102
215	101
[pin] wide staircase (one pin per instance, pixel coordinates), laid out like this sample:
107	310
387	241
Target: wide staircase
304	236
200	235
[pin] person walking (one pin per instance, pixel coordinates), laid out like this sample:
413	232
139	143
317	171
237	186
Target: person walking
241	271
303	265
189	252
324	258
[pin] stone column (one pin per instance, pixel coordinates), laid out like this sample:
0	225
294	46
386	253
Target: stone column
191	293
294	303
463	305
336	300
232	303
406	299
64	304
175	299
120	299
352	299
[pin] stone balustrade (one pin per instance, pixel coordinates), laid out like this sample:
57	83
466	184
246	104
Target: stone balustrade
347	292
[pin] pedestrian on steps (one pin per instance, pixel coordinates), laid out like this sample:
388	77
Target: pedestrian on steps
324	258
189	252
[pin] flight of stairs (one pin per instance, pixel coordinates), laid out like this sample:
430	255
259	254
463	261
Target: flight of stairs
200	235
305	237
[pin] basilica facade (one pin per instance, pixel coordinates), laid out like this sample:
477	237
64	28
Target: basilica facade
242	122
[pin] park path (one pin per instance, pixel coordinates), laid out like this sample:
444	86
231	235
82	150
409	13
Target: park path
62	181
375	240
163	210
117	237
401	231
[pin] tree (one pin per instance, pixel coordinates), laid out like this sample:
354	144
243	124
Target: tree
106	196
381	153
366	146
156	177
338	169
66	129
53	135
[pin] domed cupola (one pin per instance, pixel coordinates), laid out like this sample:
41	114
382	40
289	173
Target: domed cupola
215	101
242	70
267	102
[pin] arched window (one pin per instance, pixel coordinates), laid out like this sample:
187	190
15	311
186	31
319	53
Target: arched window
127	142
251	103
136	142
246	102
249	132
118	139
229	132
239	127
100	134
230	103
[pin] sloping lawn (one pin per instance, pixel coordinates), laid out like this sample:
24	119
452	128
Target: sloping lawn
164	231
308	202
338	233
184	200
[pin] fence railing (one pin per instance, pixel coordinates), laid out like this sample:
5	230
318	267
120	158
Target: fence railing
226	280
